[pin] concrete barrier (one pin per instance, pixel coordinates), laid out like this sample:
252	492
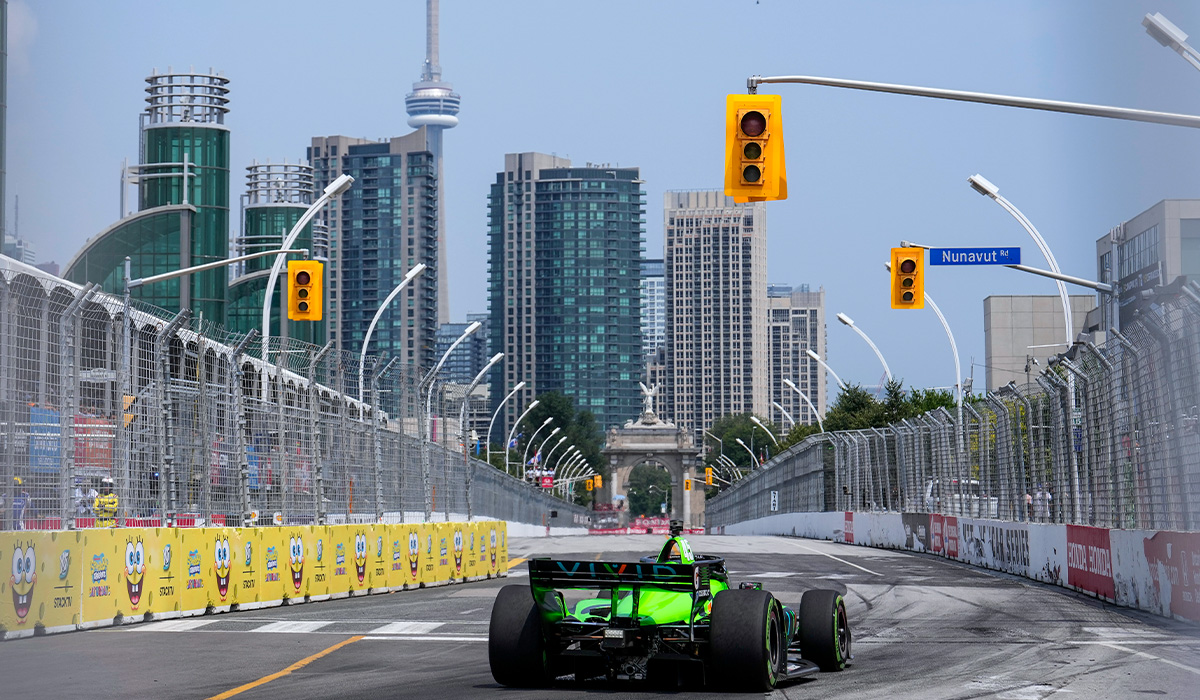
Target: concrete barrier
1153	570
67	580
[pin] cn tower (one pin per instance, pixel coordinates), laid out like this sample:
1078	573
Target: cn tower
434	105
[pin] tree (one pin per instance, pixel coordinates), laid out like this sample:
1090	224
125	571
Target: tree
578	428
649	487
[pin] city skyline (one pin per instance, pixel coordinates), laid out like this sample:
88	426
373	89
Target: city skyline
867	170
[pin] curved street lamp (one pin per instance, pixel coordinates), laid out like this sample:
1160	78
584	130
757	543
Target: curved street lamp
362	357
462	412
520	418
817	358
757	464
520	385
792	385
846	320
759	423
785	413
529	442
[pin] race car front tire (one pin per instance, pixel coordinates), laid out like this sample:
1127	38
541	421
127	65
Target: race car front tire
516	647
824	630
748	645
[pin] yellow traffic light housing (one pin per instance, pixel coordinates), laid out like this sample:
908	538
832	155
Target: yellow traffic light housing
908	278
708	476
687	484
590	484
304	285
599	481
755	167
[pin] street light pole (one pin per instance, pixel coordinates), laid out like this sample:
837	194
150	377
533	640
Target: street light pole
335	189
540	449
1170	36
828	369
757	464
362	358
846	320
759	423
783	410
792	385
517	422
462	413
529	442
428	431
520	385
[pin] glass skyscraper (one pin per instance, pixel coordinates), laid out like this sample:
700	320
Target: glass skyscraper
564	248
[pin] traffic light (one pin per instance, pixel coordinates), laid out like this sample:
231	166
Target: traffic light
755	167
590	484
708	476
599	481
687	484
908	278
304	290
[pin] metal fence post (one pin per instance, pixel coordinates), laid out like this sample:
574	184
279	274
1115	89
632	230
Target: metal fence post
69	405
238	392
378	447
314	431
162	362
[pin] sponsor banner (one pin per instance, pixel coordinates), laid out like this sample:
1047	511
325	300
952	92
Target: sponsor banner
443	552
848	528
916	531
103	589
1089	561
459	556
1047	552
404	561
937	543
318	561
378	560
995	544
339	551
950	536
44	587
266	577
1173	559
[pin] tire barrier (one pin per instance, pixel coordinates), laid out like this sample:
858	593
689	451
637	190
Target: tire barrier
1153	570
66	580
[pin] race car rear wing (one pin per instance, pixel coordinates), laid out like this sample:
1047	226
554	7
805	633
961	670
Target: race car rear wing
551	573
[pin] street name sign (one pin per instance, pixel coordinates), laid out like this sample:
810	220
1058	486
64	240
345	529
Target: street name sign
974	256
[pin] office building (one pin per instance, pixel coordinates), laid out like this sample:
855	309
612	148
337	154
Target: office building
182	216
386	223
277	195
470	357
1153	248
1017	330
796	324
654	308
715	266
564	247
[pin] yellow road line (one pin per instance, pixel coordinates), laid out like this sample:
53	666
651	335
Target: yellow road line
279	674
598	555
515	562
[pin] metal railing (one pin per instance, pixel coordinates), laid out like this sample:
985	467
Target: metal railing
1106	436
181	425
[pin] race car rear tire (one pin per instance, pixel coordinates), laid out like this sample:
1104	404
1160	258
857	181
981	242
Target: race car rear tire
516	647
748	645
824	630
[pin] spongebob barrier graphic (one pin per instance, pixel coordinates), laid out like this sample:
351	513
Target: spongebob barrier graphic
24	576
458	550
296	560
492	547
135	555
360	556
414	553
221	562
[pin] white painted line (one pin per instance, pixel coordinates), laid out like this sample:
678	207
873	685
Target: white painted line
406	628
472	610
425	638
292	627
1144	655
770	574
1155	642
824	554
171	625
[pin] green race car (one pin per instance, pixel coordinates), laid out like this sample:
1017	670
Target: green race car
670	618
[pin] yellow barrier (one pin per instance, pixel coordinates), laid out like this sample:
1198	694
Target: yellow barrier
43	589
96	577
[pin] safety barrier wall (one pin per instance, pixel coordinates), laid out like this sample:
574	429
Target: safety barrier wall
67	580
193	428
1154	570
1105	435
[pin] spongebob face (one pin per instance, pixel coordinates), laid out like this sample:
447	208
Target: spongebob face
414	550
296	560
492	547
24	576
458	550
135	566
221	564
360	556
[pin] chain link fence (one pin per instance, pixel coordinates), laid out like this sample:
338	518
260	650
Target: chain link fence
1106	435
185	423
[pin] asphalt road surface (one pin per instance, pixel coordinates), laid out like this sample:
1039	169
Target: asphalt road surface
923	628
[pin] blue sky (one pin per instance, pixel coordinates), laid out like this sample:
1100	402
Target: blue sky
643	84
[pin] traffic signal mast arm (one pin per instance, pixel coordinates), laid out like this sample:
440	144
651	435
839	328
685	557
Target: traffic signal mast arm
1069	279
1137	115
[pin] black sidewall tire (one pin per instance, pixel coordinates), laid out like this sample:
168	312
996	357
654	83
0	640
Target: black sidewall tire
516	645
748	645
824	630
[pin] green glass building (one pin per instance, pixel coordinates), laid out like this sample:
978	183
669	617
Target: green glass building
183	200
277	195
564	280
